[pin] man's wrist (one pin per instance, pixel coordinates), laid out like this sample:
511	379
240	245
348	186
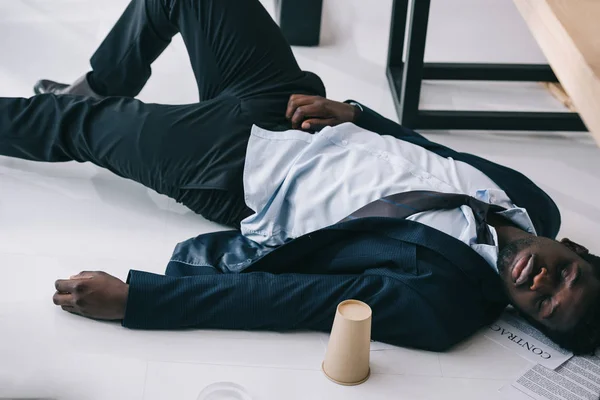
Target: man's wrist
124	300
357	110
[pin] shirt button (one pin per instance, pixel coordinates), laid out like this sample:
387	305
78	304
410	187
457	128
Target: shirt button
344	143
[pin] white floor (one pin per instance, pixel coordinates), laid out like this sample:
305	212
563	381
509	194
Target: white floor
56	220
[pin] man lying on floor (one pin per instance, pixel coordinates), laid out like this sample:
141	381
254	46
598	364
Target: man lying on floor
437	242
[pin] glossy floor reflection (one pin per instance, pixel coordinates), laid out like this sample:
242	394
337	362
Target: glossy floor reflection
56	220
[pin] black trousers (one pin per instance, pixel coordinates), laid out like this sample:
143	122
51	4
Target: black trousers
245	72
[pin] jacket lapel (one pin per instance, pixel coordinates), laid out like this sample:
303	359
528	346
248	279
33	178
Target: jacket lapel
472	265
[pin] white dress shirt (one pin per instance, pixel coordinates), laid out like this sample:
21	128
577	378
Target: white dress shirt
298	182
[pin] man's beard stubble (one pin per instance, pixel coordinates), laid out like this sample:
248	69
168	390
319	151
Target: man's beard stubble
507	254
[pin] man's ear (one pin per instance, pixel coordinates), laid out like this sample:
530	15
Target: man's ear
577	248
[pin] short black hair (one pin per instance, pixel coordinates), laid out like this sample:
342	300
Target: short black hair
584	337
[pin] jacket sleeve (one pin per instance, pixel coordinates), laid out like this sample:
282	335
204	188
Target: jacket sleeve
280	302
374	122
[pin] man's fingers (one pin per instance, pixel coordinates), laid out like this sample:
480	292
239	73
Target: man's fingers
84	275
65	285
72	310
298	100
71	285
316	124
309	111
63	299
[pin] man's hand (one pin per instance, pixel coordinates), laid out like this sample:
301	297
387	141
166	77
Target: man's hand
316	112
95	295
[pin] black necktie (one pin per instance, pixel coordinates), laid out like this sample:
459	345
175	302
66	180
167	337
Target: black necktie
404	205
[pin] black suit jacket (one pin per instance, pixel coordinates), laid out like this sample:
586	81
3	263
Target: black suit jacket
427	289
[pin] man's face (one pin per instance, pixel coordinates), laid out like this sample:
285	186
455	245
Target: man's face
549	280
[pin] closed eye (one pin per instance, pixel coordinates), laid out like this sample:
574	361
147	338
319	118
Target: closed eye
564	273
570	274
545	308
576	276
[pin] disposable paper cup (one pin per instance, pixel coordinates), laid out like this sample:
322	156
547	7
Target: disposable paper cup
347	358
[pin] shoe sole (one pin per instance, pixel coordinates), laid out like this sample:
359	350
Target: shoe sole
41	87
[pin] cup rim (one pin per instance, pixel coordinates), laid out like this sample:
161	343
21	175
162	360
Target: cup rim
345	383
353	301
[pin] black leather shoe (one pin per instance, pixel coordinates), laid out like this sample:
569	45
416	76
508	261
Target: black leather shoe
45	86
80	87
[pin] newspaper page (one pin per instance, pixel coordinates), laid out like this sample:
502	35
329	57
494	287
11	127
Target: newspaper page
577	379
514	333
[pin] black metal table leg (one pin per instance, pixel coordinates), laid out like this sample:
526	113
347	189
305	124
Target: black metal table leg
300	21
412	73
406	70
